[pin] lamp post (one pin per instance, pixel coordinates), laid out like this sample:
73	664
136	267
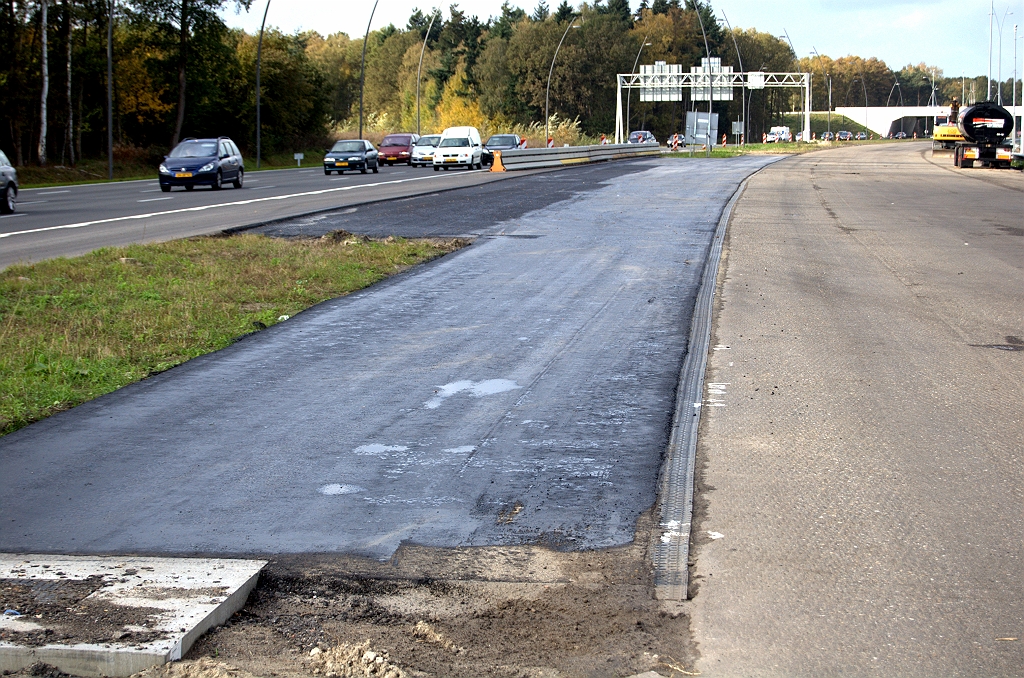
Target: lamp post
259	55
828	76
806	133
419	70
711	89
999	71
362	68
547	94
629	91
743	91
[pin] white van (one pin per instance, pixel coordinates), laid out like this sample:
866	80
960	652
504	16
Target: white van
459	147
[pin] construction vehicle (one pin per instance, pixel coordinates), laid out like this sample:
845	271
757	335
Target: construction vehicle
985	128
944	138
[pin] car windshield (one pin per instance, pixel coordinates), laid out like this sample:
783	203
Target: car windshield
502	140
194	149
348	147
396	141
428	141
451	142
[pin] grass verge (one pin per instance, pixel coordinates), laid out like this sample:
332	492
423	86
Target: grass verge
74	329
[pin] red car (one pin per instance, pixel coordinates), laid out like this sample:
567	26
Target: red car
397	148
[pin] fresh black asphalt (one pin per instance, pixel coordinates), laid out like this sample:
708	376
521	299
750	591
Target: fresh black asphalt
518	391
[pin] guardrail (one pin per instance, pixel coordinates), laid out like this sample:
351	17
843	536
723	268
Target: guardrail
530	158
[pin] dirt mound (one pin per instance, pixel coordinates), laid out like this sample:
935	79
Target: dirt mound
204	667
353	661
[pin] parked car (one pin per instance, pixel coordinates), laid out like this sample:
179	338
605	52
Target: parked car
828	136
9	185
397	148
459	147
351	154
500	142
901	135
423	150
771	137
861	136
844	136
202	162
641	137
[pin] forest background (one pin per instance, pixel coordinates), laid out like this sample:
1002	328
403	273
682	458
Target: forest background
179	71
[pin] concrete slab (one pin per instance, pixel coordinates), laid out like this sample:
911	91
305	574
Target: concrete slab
113	616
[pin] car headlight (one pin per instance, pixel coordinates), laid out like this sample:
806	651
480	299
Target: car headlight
208	167
355	158
328	159
163	169
404	153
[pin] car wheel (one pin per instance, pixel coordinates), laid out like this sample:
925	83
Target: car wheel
362	171
218	182
189	187
237	183
9	203
435	168
165	189
376	168
327	173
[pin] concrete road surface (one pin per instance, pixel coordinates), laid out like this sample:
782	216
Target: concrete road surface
519	391
862	454
71	220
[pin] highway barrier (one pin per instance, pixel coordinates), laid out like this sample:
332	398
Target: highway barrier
530	158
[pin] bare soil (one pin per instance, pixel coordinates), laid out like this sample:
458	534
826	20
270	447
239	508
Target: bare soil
517	611
69	617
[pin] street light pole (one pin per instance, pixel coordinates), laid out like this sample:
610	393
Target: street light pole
629	91
547	94
419	69
743	91
806	132
711	89
828	76
362	68
259	56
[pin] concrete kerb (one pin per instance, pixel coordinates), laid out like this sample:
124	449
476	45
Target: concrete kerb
190	596
671	547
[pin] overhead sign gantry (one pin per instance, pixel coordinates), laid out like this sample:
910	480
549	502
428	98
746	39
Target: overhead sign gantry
709	81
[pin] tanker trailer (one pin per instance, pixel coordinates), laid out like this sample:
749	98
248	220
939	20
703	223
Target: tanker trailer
985	127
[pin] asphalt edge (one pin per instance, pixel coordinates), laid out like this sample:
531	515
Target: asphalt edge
671	540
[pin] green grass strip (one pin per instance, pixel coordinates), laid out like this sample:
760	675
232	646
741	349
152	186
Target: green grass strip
73	329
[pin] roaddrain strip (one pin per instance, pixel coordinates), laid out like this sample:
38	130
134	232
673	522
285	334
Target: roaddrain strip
671	549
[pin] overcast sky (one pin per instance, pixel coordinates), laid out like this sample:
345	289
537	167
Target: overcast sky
950	34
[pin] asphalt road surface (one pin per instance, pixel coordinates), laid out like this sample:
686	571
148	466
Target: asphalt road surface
861	504
519	391
71	220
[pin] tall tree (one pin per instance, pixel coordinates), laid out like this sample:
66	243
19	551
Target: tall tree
564	13
541	11
45	69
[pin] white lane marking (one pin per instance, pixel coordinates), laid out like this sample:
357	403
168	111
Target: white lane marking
11	216
152	190
33	202
153	199
463	449
52	192
203	208
475	388
376	449
260	188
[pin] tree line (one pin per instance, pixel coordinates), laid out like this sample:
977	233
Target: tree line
179	71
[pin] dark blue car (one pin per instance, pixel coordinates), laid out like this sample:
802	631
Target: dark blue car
205	162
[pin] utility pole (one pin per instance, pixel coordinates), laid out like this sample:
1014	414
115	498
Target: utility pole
988	86
547	94
44	67
711	89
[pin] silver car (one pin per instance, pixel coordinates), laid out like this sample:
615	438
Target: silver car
8	185
423	150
